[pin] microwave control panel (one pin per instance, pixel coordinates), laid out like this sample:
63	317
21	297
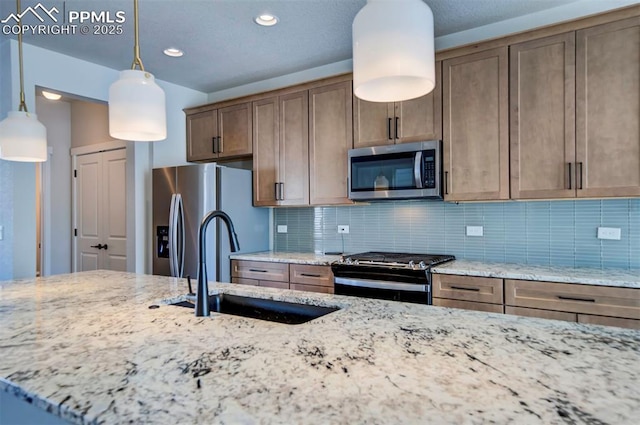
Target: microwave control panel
429	168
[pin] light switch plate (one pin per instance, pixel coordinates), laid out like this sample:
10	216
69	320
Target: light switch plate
475	231
343	228
282	228
611	233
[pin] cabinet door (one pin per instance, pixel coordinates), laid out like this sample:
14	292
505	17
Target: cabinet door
373	123
294	148
330	138
476	126
468	288
202	128
420	119
608	109
266	151
235	130
543	118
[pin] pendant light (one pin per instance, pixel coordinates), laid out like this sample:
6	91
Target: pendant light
22	137
393	51
137	108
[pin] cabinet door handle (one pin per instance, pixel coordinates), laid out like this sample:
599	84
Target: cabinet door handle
258	271
585	300
581	176
282	191
213	143
389	129
461	288
569	166
310	275
397	122
277	192
446	182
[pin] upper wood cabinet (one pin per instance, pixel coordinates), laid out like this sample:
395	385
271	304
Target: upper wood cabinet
281	150
376	124
476	126
220	133
330	138
608	109
542	79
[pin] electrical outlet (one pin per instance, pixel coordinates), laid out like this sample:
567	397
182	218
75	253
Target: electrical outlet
282	228
343	228
475	231
612	233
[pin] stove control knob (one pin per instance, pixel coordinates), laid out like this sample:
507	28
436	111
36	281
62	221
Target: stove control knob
411	264
348	260
422	265
341	260
356	262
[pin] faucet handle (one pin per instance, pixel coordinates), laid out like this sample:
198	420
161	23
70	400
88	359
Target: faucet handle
189	283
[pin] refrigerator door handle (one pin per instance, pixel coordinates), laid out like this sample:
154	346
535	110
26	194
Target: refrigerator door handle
180	231
172	236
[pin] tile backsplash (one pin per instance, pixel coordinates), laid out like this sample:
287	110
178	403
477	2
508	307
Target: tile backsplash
537	232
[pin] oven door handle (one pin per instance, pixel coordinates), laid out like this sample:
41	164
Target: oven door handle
381	284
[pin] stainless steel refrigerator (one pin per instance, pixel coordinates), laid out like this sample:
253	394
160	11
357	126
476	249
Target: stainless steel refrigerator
181	198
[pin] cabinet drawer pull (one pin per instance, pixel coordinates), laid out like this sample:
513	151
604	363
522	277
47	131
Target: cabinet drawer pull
466	289
310	275
259	271
586	300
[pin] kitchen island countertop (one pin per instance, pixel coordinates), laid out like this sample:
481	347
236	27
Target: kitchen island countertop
87	347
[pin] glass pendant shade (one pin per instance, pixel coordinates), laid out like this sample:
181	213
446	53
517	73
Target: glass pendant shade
137	108
393	51
23	138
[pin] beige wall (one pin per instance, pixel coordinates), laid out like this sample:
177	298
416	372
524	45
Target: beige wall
89	123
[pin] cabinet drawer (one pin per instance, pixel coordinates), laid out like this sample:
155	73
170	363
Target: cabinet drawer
242	281
312	288
574	298
543	314
260	270
468	288
274	284
311	275
609	321
468	305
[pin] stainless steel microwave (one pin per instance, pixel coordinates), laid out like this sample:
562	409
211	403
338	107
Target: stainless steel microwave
403	171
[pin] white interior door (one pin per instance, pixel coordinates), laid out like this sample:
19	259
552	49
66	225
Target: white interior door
101	211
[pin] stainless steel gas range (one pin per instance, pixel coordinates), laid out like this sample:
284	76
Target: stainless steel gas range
387	275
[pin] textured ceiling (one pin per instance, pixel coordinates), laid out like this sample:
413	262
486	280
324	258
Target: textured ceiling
225	48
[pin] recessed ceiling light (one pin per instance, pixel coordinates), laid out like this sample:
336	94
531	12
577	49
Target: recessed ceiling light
51	96
173	52
266	20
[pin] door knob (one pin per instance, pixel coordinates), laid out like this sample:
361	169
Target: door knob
100	246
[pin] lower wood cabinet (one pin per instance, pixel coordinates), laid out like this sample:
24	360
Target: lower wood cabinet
602	305
468	292
299	277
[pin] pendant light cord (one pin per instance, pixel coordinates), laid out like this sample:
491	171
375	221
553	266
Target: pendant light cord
23	104
136	47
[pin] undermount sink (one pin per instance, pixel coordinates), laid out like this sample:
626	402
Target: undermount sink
258	308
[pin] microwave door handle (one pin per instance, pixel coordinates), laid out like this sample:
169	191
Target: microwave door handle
417	170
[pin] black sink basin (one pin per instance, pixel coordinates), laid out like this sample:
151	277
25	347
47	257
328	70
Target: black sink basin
258	308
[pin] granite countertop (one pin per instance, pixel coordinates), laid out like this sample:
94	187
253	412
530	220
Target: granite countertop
586	276
288	257
88	348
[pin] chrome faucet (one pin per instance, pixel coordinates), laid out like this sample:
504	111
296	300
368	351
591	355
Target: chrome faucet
202	296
